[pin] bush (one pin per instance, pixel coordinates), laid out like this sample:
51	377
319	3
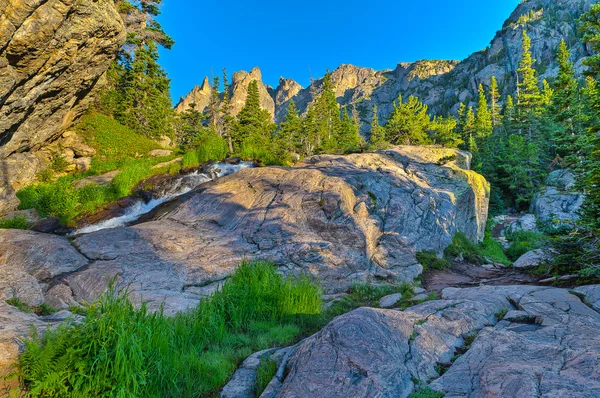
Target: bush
58	199
190	159
523	242
212	147
131	173
474	253
17	222
119	350
261	151
430	260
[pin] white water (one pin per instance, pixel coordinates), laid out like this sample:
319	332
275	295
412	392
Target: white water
184	185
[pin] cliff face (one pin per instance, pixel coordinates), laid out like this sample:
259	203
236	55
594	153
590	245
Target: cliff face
52	55
200	96
444	84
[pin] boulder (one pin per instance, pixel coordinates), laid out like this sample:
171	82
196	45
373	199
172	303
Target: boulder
591	295
390	300
559	204
533	258
526	222
52	54
29	258
160	153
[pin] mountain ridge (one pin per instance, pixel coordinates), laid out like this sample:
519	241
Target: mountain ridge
444	84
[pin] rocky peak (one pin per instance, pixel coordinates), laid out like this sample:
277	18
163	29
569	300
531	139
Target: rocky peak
200	95
286	90
239	91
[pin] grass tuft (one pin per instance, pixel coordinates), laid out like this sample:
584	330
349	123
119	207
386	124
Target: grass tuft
16	222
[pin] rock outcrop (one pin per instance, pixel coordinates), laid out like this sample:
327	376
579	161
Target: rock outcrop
199	96
52	55
339	218
239	91
559	203
517	341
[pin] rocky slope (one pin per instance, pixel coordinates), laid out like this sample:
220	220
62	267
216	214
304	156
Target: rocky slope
500	341
52	55
341	219
444	84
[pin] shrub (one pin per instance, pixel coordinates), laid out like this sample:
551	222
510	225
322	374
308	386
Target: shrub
260	150
190	159
122	351
430	260
17	222
523	242
212	147
131	173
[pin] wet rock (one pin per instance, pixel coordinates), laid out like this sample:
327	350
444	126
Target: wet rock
49	225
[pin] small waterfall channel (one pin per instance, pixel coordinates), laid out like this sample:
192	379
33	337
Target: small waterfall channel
181	186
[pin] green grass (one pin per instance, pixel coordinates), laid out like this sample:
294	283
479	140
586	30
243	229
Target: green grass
115	143
265	373
16	222
121	351
41	310
430	261
212	147
474	253
190	159
426	393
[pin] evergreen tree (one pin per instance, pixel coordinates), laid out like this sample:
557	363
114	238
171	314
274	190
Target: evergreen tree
565	109
253	122
589	176
214	106
494	103
227	120
290	129
309	140
190	126
483	120
377	134
409	123
146	99
326	116
529	97
469	130
445	132
348	138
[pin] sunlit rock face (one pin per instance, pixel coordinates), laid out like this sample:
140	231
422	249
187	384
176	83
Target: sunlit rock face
340	219
52	54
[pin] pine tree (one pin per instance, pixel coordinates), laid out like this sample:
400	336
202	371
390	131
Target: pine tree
326	116
565	109
483	120
147	102
529	98
445	132
348	138
214	106
409	123
253	122
589	176
227	120
469	130
377	133
494	103
290	129
190	126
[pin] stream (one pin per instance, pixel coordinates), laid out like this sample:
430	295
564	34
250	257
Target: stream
181	186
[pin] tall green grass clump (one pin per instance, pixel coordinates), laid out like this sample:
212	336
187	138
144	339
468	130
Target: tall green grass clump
130	174
119	350
212	147
190	159
522	242
58	199
16	222
480	253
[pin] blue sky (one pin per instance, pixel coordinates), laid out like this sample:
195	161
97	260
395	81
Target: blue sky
296	38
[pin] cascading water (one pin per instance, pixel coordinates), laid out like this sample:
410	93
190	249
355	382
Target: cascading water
182	186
